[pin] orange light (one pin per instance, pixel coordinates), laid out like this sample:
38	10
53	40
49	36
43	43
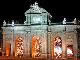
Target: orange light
7	49
19	47
7	52
35	46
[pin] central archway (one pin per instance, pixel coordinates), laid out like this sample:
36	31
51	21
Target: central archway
36	47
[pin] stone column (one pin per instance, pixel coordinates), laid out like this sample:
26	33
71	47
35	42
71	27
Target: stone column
29	45
4	42
75	45
64	45
44	44
49	44
25	44
12	42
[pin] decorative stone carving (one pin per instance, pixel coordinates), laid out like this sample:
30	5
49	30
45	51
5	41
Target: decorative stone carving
75	21
12	22
64	21
4	23
35	7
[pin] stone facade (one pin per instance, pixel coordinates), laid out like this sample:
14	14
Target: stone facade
38	27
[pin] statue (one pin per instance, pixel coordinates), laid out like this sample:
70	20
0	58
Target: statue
35	7
64	21
13	23
75	21
4	23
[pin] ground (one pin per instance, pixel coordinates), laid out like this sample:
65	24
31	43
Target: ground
25	58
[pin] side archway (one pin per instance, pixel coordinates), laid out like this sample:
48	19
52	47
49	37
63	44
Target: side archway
19	48
56	46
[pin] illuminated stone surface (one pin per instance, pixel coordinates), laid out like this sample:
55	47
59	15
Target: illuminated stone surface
38	24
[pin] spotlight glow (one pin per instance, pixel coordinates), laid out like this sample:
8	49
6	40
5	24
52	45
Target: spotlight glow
69	51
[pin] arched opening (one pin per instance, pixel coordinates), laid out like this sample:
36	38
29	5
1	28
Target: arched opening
36	47
56	48
8	48
19	46
70	51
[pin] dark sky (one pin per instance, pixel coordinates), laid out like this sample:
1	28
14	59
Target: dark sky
14	9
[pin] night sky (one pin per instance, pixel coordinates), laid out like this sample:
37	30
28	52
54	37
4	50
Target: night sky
14	9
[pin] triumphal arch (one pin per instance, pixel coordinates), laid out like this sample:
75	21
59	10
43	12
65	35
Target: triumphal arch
39	38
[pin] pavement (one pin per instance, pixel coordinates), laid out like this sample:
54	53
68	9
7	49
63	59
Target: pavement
28	58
